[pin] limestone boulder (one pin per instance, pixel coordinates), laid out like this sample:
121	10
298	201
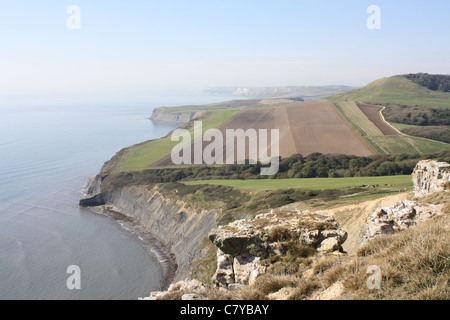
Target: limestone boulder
398	217
187	289
430	176
244	244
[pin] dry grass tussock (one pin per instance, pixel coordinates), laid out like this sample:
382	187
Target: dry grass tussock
415	264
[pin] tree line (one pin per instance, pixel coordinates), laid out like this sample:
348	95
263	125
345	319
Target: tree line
431	123
315	165
435	82
417	115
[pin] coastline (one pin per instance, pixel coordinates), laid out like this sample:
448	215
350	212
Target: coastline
171	258
154	247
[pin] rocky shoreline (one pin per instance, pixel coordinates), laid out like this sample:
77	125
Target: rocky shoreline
153	246
170	231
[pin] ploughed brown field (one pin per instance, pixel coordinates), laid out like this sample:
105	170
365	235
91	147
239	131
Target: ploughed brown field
317	127
373	113
304	128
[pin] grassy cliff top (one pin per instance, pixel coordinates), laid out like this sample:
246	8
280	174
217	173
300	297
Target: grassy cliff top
397	90
233	104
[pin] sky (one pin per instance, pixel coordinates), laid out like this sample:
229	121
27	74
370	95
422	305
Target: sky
126	50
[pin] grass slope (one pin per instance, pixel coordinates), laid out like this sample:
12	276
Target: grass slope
141	156
407	144
233	104
397	182
396	90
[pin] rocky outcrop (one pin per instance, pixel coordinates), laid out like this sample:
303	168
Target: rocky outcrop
93	201
167	116
333	292
94	185
244	244
430	176
184	290
398	217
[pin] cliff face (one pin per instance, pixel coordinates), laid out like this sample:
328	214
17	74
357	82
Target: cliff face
178	229
162	115
94	186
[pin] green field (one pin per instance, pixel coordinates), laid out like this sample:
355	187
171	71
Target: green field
351	112
141	156
407	144
429	146
401	126
360	124
207	107
396	90
395	182
233	104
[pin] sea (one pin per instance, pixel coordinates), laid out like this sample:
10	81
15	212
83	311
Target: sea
50	248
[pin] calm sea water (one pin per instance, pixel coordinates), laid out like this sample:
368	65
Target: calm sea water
47	155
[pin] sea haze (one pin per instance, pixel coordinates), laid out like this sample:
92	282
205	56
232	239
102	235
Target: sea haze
47	155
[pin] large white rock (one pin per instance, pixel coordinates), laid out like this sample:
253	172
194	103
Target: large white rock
430	176
244	244
190	289
398	217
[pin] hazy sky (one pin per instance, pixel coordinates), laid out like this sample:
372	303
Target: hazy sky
126	49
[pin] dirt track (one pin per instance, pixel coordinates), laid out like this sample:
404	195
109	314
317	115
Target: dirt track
373	113
305	128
